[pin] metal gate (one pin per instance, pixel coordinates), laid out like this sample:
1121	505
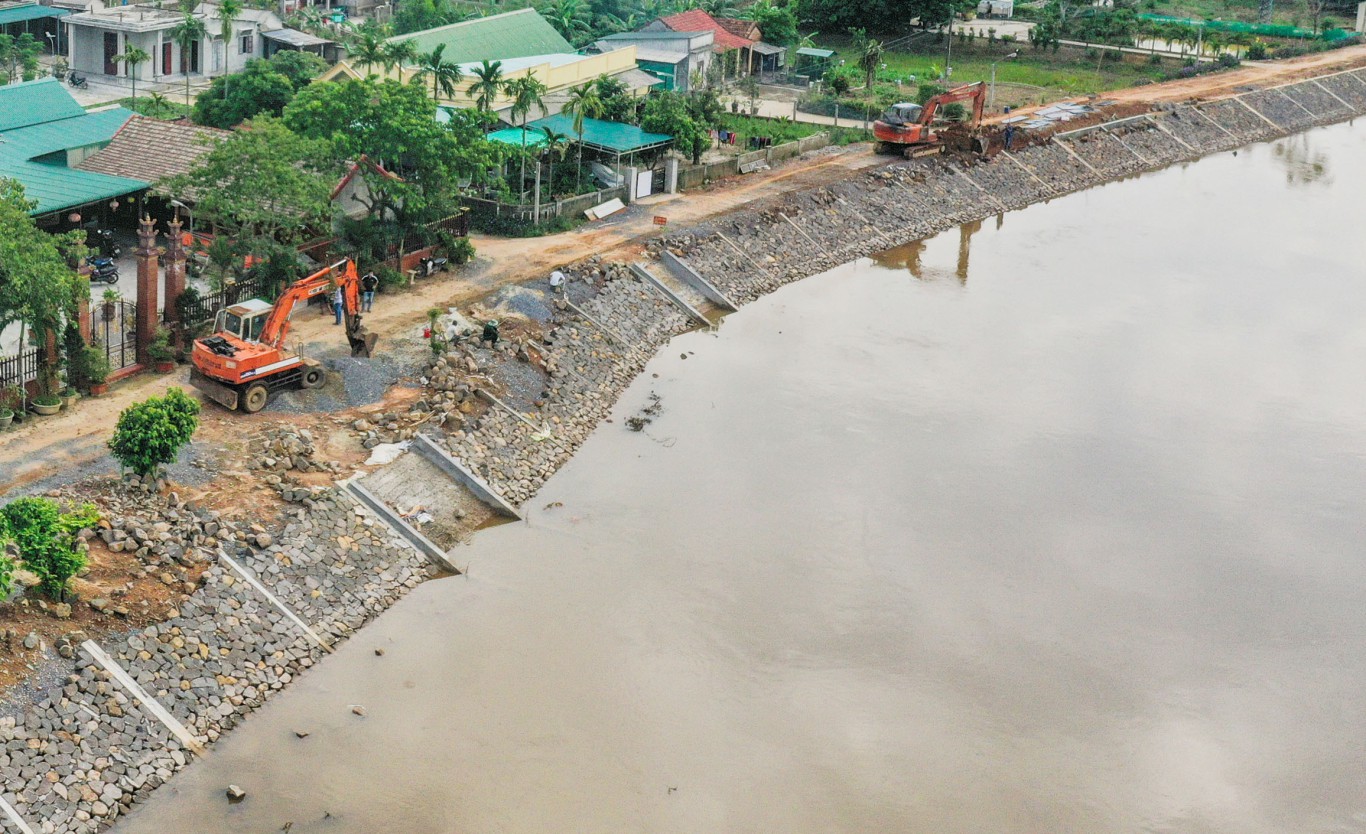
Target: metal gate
115	325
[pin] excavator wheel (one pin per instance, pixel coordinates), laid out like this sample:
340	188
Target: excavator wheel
313	377
255	398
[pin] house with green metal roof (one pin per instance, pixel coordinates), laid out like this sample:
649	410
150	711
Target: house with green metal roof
517	34
44	133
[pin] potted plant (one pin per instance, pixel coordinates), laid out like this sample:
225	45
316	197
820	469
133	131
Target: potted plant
68	396
9	398
46	405
97	370
162	351
111	297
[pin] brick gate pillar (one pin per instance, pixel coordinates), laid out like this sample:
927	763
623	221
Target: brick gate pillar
83	318
175	274
148	279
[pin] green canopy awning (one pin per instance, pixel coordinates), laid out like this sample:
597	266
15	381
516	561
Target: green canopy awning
19	14
610	137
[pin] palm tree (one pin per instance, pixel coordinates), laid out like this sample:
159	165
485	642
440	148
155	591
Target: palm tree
188	32
228	10
394	54
444	74
133	57
368	48
869	53
556	144
487	87
583	102
526	92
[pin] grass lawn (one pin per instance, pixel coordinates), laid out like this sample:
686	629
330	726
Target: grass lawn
1068	72
157	108
782	130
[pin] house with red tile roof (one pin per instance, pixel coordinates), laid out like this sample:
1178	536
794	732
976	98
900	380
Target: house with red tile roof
739	41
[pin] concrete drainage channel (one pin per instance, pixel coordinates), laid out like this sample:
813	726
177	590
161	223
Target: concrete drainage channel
271	608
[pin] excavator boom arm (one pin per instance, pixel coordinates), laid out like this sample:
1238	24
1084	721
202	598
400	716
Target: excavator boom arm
340	274
977	91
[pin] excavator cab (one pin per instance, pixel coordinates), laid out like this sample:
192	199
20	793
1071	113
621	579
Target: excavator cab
246	320
906	113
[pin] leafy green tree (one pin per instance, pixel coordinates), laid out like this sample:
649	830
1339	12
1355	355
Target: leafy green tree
262	186
778	24
397	53
869	52
583	103
38	287
667	112
133	57
27	49
618	105
299	67
188	32
257	89
150	434
47	541
445	74
556	146
417	15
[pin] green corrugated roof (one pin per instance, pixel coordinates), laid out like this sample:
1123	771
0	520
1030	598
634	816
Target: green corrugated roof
18	14
615	137
35	102
510	35
60	125
813	52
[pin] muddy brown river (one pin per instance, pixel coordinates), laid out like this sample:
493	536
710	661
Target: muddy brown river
1049	524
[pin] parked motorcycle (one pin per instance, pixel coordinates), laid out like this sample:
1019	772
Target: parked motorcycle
103	239
103	269
77	81
429	266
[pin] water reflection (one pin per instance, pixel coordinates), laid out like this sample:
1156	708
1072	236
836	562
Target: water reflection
1304	163
910	256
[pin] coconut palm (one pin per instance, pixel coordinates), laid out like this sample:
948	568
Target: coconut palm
367	47
394	54
488	85
869	53
133	57
583	103
556	145
526	92
188	32
444	74
228	10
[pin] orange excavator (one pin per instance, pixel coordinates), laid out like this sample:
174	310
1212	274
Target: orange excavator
905	128
245	360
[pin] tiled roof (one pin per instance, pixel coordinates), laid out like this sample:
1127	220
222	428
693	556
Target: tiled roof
35	102
739	28
497	37
152	150
697	20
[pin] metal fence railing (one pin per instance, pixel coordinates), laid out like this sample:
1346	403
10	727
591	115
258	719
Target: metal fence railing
204	308
20	368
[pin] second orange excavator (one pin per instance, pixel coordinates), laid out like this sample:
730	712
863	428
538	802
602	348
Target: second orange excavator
245	360
905	128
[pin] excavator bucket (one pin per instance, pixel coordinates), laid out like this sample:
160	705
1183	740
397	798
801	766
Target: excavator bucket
362	340
214	390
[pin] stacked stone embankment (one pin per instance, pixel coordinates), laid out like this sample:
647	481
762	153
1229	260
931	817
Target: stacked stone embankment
81	756
749	254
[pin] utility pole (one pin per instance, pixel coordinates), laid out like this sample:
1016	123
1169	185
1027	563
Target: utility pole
948	46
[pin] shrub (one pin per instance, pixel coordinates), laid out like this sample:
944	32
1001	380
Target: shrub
46	538
1256	52
151	433
97	368
390	279
461	251
161	349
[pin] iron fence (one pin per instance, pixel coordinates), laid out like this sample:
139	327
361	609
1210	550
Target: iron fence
20	368
205	307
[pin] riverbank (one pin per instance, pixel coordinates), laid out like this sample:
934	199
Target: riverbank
80	756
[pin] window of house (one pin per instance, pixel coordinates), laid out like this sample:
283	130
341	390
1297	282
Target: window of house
248	42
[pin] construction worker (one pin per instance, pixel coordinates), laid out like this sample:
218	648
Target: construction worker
337	303
490	333
368	284
557	281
